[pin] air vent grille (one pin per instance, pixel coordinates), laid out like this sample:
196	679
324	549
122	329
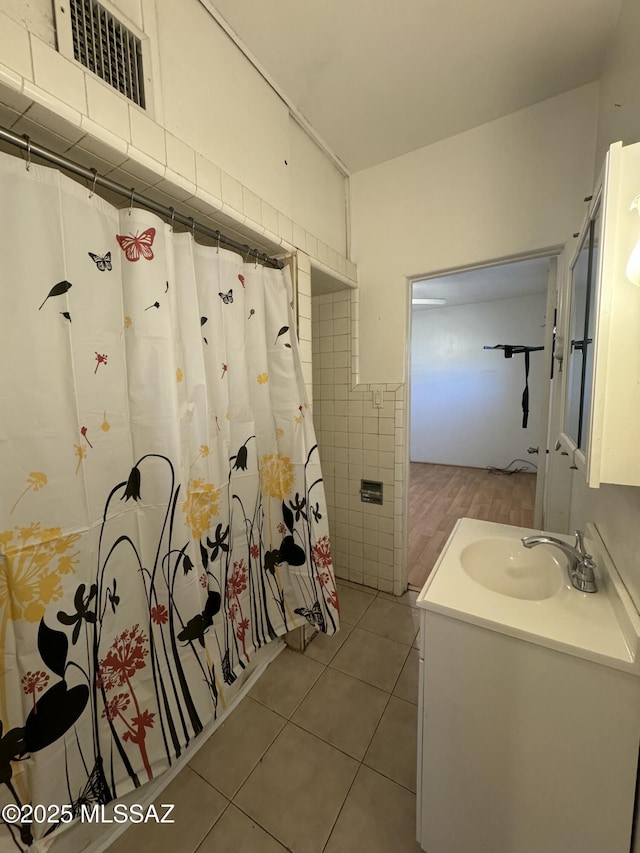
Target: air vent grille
105	46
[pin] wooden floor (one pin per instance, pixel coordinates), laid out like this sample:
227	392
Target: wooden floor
441	494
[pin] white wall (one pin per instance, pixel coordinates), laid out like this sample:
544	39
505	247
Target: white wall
506	188
465	401
619	102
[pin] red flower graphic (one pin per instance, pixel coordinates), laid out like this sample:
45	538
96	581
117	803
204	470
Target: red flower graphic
159	614
34	682
125	657
237	583
332	598
254	551
203	580
116	706
322	553
144	720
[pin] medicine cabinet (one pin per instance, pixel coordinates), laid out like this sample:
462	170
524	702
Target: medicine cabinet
601	352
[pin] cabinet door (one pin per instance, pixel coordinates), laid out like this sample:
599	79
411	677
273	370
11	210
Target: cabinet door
601	393
611	441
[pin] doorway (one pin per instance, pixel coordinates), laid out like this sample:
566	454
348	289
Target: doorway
479	391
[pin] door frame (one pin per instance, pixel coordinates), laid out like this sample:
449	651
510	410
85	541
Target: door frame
552	253
544	430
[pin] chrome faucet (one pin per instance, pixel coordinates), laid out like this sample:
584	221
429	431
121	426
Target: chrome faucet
581	564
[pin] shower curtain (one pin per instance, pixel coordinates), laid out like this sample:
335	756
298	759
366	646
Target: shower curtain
162	513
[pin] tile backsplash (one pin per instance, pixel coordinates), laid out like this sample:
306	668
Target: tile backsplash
357	441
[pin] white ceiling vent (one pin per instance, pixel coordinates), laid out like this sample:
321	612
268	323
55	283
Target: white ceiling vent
100	40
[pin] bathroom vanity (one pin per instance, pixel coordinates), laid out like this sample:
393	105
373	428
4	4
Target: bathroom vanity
529	703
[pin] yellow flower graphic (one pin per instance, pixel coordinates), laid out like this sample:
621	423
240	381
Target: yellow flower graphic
105	426
35	560
127	322
179	375
30	578
35	481
263	378
279	432
276	475
200	505
204	452
81	453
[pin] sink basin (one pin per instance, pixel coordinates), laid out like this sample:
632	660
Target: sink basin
485	576
506	566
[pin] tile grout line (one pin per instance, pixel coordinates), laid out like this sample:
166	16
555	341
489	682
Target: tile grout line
289	719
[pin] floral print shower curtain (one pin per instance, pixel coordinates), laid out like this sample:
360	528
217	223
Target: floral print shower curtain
162	513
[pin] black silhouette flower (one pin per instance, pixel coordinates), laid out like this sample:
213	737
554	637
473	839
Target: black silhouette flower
114	599
82	610
132	489
241	459
298	507
218	543
271	560
187	564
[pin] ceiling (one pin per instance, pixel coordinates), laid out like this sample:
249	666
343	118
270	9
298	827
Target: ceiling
521	278
376	79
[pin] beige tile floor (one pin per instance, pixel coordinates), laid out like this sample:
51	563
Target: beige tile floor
319	757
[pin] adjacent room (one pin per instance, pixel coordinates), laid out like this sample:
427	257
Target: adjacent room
477	342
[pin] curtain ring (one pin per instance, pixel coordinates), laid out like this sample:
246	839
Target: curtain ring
246	257
193	227
173	216
218	249
28	151
133	189
93	187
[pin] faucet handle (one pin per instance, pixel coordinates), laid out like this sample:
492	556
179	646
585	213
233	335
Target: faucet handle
580	544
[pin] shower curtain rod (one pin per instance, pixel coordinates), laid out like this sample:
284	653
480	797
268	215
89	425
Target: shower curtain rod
25	143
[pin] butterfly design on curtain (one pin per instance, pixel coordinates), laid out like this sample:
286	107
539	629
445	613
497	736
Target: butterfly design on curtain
103	262
226	297
313	615
135	247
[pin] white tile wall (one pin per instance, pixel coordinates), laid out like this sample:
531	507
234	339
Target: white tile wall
357	441
180	158
63	106
147	135
58	75
303	304
14	47
108	107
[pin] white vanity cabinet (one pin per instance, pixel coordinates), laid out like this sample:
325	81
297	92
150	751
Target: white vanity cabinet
598	335
529	727
523	749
